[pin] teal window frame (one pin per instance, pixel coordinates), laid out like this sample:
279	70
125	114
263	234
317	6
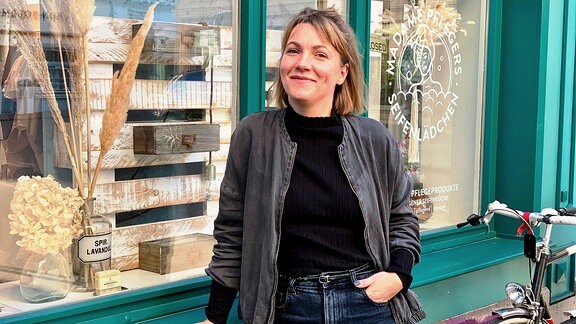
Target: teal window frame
252	99
474	248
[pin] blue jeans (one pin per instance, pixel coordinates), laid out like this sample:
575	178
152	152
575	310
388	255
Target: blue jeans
329	298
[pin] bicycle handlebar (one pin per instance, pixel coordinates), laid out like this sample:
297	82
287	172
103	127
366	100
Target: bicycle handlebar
568	210
562	220
561	216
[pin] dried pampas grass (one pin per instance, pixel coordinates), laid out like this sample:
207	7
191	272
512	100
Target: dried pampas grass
30	47
70	30
119	101
4	46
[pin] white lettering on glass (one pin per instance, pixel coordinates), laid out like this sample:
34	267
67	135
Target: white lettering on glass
424	58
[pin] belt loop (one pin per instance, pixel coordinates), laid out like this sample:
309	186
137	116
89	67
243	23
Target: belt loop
324	279
291	283
353	277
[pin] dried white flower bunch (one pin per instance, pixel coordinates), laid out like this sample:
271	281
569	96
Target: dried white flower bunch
44	214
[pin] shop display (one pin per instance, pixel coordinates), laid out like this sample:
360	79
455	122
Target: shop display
106	282
93	250
96	230
165	112
46	217
45	277
173	254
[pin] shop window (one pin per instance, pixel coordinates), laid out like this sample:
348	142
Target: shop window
426	86
160	178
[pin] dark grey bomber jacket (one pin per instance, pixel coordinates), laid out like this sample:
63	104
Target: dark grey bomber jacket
256	179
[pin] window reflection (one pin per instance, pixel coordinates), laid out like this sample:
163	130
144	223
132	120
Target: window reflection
425	86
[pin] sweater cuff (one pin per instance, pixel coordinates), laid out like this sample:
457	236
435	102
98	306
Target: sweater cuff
220	302
401	263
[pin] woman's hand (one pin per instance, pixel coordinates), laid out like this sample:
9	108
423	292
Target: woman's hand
206	321
382	286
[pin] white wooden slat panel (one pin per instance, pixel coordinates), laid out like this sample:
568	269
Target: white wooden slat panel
148	193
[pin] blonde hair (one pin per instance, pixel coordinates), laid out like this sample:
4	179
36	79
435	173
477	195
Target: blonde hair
348	97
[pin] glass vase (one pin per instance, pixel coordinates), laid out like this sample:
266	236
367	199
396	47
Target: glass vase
93	250
45	278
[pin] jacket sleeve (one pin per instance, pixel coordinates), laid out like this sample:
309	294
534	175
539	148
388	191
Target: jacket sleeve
404	226
228	225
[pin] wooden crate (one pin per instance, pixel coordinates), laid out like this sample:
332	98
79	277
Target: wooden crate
176	138
178	253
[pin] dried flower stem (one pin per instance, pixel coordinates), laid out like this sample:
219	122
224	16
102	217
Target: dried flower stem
3	48
118	103
88	114
77	155
32	51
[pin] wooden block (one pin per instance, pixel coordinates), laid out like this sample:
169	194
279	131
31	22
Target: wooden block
180	138
125	240
176	253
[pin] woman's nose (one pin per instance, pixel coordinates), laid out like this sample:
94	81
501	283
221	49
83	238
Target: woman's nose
303	62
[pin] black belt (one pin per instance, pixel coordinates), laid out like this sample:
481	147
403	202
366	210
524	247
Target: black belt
326	277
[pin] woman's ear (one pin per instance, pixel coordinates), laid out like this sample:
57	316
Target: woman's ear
343	73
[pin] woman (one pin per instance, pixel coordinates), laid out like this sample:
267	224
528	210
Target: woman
314	222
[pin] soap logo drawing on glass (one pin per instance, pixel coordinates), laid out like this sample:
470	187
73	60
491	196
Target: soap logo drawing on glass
423	69
425	58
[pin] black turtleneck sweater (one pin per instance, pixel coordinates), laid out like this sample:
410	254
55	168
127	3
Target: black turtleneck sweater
322	224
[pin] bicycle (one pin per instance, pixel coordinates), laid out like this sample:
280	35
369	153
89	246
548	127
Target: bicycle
527	301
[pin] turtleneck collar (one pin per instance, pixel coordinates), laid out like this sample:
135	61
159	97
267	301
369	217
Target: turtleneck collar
293	117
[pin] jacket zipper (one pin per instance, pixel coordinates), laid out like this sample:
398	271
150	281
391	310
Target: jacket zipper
279	231
348	177
366	242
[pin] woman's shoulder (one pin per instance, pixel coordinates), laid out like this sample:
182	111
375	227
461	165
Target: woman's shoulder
259	120
368	126
269	113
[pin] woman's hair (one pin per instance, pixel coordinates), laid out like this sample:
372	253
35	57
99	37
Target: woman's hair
348	97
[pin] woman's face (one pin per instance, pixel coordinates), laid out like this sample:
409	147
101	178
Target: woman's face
310	69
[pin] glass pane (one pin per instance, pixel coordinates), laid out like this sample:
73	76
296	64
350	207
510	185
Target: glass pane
426	85
279	13
157	183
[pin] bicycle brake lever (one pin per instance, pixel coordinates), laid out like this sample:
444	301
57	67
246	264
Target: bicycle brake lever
473	220
461	224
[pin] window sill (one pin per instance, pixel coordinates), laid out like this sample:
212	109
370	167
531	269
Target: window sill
139	284
446	263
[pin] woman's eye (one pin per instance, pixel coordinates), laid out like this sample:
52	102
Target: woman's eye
291	51
322	55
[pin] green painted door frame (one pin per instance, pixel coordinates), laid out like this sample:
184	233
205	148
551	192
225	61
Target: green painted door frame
252	57
359	20
566	178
